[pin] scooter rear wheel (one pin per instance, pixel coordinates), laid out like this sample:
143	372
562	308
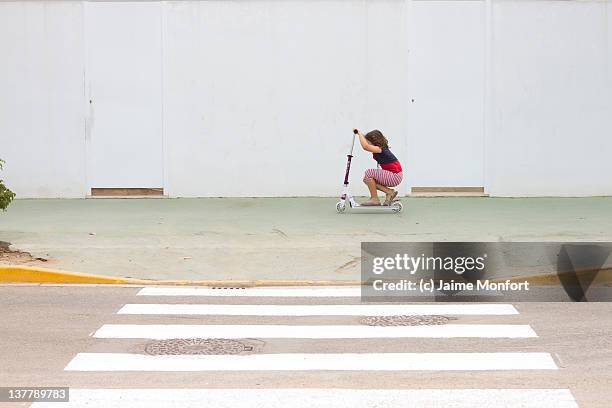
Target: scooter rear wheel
397	206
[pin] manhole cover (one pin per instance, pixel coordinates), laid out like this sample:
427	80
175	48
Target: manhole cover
197	346
406	320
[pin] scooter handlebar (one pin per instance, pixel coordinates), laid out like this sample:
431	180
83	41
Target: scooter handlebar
355	131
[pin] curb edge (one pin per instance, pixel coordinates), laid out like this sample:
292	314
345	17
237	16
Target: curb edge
31	274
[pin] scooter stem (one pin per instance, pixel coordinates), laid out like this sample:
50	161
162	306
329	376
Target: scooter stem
348	161
348	169
353	141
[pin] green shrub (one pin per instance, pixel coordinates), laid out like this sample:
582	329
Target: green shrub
6	195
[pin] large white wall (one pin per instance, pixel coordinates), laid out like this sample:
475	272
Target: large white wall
259	96
41	98
551	108
446	72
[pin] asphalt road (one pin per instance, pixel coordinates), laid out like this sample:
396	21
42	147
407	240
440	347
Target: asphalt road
321	354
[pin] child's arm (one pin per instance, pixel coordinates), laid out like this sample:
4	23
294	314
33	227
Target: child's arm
367	146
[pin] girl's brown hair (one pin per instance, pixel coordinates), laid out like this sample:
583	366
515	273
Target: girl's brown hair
377	139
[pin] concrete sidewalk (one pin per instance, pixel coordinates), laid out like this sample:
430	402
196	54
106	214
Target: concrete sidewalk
272	238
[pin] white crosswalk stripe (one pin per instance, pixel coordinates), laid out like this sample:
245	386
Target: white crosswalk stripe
171	331
318	310
314	291
284	292
210	323
314	362
319	398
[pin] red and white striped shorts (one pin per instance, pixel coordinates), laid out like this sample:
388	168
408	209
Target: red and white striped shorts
384	177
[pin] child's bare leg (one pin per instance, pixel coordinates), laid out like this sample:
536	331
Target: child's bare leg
389	192
371	183
384	189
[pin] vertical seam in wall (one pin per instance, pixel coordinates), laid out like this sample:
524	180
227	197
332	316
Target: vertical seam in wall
608	56
407	84
163	98
487	96
84	105
365	65
606	19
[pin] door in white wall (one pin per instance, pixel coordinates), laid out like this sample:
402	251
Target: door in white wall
123	75
446	82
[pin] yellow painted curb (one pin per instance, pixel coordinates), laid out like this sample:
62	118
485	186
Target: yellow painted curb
29	274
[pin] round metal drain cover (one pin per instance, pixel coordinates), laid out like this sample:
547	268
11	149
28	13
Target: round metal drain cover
197	346
430	320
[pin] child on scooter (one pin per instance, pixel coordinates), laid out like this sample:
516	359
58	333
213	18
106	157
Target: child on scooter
389	171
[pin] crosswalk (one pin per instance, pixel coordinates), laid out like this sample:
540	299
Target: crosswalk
212	314
170	331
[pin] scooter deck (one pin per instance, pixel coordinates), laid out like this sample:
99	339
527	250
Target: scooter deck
376	208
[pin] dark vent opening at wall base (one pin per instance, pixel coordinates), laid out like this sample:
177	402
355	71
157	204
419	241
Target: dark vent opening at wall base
126	192
450	191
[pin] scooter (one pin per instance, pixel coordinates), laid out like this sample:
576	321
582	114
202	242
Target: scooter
394	207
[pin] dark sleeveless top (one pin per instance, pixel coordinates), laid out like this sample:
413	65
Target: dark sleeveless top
388	161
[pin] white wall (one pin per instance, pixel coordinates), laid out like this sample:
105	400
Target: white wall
41	98
259	96
552	99
446	76
123	84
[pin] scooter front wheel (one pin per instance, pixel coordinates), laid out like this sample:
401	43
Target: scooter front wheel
340	207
